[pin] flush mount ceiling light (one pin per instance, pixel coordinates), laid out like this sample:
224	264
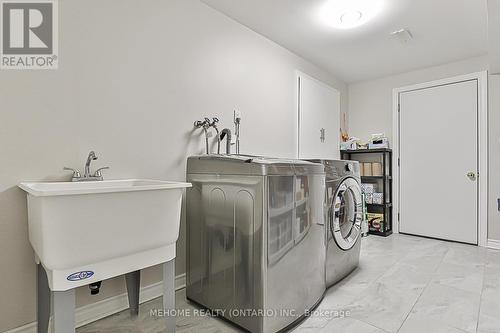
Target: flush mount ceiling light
348	14
351	17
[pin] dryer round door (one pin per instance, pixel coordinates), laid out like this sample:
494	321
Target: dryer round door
347	214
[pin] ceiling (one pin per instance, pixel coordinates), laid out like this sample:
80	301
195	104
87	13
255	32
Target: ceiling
443	31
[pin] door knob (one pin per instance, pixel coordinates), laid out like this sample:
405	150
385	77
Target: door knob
472	175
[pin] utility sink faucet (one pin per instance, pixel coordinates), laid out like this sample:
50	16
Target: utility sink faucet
226	133
87	175
90	158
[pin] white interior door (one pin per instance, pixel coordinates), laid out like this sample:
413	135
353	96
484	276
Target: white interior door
438	148
319	120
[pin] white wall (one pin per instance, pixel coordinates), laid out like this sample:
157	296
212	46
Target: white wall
494	35
370	102
132	79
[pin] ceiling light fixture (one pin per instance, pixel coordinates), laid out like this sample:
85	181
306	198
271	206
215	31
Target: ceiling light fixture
351	17
348	14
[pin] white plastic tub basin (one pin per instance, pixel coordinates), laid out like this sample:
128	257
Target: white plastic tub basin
107	228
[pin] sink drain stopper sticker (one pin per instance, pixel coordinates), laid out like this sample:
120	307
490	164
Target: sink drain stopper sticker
80	276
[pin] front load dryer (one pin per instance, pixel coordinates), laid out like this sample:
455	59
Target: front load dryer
344	215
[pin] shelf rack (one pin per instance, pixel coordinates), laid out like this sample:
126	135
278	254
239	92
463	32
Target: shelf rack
383	155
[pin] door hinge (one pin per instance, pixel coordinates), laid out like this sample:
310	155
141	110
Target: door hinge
398	217
399	162
399	107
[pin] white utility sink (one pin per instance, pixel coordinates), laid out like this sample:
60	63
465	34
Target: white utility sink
84	232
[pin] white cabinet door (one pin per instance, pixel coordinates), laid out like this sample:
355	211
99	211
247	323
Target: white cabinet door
319	119
438	149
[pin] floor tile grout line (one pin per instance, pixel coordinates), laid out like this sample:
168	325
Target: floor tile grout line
393	265
430	282
374	281
379	328
483	266
480	299
423	290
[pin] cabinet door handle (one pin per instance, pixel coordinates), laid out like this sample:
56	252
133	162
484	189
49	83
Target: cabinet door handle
322	135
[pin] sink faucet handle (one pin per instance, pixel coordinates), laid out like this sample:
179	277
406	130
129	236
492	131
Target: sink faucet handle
76	173
98	172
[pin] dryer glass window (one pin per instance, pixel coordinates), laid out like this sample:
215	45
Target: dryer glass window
347	214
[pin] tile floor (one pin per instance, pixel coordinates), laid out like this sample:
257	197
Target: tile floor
404	284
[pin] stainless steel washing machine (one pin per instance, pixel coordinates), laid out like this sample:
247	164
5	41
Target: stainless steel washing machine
344	215
255	238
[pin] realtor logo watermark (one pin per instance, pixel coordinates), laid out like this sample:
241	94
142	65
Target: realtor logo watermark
28	34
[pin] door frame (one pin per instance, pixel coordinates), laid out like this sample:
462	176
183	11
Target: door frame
482	203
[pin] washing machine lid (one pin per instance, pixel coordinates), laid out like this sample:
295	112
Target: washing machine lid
250	165
347	213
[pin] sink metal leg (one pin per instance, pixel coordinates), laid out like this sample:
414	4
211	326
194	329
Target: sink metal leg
169	295
43	300
133	280
64	311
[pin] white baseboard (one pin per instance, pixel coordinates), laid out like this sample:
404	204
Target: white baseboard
95	311
494	244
